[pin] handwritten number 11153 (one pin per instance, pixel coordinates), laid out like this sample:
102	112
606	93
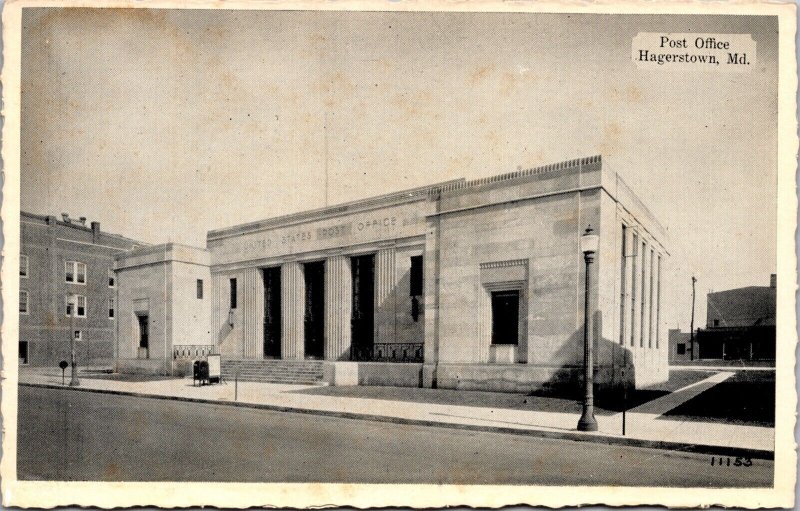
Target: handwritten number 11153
728	462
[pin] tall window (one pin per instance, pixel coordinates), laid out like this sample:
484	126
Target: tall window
644	298
23	266
199	289
112	279
505	317
110	308
23	302
233	293
650	303
75	272
416	288
658	304
76	306
416	276
623	262
633	287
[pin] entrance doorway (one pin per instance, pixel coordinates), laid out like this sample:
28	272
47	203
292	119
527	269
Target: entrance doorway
272	312
315	310
23	352
505	317
144	335
363	319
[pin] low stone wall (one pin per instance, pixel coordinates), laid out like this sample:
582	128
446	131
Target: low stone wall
518	377
177	368
388	374
381	374
143	366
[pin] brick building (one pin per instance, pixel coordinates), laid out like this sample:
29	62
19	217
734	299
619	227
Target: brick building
67	287
740	324
463	284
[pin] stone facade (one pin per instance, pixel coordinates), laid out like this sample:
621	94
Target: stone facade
505	247
48	247
164	313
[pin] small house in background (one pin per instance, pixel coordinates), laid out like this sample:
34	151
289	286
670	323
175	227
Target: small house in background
740	325
680	346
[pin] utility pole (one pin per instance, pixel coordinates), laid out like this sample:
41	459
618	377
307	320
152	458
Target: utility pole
73	299
691	327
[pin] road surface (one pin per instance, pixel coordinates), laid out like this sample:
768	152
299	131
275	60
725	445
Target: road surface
69	435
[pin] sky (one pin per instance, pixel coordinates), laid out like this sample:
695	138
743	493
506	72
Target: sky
164	124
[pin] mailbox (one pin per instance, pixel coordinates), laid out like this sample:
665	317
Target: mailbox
207	371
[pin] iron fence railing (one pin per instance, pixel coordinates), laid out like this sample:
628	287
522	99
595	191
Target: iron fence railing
388	352
192	351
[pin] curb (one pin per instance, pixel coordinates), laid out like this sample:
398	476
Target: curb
714	450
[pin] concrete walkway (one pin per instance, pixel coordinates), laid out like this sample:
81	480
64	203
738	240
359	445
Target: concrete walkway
644	425
712	367
672	400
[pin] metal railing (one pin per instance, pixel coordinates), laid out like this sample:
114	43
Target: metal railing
388	352
192	351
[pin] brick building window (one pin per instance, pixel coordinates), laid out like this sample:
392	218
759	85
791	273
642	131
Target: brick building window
75	272
23	302
681	348
112	278
199	289
23	266
76	306
233	293
110	308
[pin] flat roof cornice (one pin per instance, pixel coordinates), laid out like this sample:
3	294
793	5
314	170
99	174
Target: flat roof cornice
401	197
448	187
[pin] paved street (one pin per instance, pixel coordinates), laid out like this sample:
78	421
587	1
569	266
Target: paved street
67	435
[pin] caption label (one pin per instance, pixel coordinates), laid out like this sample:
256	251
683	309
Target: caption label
704	52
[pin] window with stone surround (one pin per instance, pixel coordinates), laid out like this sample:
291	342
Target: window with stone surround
76	306
75	272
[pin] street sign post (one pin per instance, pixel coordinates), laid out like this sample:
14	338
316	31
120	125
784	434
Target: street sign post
63	365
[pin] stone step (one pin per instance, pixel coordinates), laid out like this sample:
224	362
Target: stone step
265	379
302	372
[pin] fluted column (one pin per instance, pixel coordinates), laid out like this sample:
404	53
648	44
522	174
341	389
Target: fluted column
385	287
293	289
338	308
253	313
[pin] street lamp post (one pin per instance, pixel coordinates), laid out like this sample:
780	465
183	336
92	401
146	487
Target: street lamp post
73	304
587	422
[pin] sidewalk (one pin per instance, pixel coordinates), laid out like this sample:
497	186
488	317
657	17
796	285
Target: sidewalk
645	426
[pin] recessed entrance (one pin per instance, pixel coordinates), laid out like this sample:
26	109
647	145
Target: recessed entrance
272	312
315	310
144	335
363	319
505	317
23	352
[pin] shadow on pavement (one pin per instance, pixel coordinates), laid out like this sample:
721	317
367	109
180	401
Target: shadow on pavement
747	398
